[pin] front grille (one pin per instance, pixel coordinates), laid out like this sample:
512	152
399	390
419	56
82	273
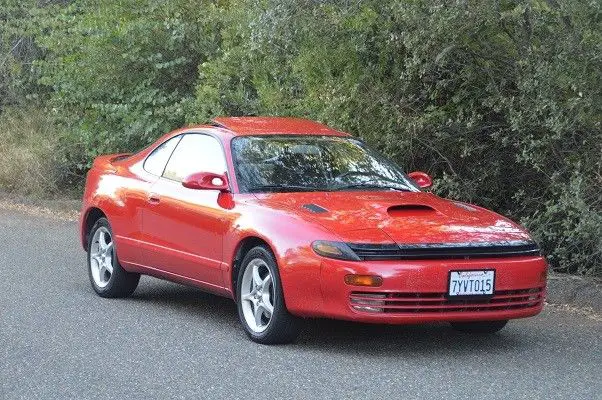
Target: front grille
411	303
434	251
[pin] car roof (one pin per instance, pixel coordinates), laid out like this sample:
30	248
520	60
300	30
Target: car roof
241	126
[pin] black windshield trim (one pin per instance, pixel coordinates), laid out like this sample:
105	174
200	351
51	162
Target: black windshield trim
360	142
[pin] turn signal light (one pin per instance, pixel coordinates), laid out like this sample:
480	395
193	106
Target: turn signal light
363	280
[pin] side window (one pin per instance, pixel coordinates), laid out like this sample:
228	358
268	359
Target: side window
156	161
195	153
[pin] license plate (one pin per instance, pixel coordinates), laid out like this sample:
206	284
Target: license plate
471	283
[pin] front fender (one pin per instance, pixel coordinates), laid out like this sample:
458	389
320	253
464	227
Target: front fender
289	238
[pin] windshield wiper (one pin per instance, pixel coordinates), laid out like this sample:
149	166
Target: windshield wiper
283	188
368	185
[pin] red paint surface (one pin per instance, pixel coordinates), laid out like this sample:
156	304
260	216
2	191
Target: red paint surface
164	229
275	125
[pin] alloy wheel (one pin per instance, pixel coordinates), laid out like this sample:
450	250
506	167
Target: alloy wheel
257	295
101	257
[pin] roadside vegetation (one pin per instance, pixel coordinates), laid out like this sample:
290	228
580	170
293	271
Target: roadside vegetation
500	101
28	144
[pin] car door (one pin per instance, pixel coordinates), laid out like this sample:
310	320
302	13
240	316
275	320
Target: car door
135	189
184	227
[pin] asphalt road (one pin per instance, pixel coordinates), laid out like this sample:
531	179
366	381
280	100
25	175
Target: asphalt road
60	341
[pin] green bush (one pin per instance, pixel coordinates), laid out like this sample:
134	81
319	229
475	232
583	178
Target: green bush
122	73
17	52
500	102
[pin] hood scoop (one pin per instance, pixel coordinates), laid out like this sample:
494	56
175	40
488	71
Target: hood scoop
314	208
407	210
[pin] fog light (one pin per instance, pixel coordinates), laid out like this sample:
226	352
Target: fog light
363	280
369	303
368	309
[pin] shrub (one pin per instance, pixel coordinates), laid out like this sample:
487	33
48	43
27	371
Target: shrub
17	52
122	73
502	104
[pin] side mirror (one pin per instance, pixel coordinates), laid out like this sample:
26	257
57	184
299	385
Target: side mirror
421	178
206	181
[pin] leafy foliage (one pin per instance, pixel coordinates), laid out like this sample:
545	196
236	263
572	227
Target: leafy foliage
123	72
500	101
17	53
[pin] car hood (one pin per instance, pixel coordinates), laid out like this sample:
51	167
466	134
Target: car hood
401	217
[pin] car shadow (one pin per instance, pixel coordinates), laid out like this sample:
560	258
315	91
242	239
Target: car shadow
160	291
186	300
330	335
384	340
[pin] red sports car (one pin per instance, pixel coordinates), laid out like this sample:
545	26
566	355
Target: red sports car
293	219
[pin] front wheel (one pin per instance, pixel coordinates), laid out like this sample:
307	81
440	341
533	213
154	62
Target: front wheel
107	276
479	327
260	300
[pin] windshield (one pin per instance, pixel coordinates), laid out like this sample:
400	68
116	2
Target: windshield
282	163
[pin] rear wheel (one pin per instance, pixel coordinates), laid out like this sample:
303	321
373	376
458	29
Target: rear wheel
107	276
480	327
260	300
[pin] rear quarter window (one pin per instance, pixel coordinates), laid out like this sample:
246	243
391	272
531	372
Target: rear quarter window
157	160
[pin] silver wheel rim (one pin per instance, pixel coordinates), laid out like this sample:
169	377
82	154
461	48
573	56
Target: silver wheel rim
101	257
257	295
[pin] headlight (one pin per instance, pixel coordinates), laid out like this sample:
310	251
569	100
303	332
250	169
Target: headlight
338	250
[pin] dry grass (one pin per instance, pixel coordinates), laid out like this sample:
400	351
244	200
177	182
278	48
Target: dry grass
38	211
29	157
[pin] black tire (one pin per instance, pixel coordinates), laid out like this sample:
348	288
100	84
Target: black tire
479	327
282	327
121	283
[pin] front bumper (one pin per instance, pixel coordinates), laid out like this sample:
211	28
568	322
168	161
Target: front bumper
415	291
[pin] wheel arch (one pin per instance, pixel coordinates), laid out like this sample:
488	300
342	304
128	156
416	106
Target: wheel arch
242	248
92	215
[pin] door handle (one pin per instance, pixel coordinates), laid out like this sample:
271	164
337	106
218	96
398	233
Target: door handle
154	199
